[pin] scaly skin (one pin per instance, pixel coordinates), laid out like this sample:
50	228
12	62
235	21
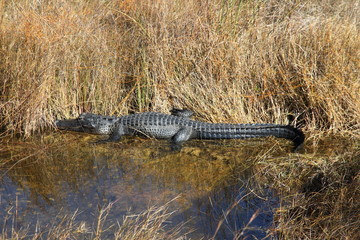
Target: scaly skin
178	127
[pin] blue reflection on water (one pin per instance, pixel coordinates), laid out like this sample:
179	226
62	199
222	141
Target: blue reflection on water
28	202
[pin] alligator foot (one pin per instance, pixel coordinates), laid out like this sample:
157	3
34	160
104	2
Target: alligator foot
175	147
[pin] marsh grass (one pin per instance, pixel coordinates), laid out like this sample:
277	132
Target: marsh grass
149	224
234	61
318	193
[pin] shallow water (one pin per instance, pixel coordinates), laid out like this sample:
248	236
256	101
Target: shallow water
44	179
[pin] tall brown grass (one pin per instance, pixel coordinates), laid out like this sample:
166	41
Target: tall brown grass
228	60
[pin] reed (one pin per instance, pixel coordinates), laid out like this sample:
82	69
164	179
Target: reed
149	224
234	61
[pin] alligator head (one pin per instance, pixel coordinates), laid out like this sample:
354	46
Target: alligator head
88	123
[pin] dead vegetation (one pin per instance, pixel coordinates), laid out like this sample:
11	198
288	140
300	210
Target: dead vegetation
149	224
318	193
235	61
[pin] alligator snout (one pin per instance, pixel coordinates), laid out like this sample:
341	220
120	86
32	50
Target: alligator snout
69	125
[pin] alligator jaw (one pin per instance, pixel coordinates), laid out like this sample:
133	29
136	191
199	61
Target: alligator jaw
87	123
69	125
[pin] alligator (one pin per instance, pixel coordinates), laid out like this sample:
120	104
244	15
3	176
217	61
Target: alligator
179	127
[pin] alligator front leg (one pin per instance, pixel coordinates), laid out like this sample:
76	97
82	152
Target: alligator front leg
115	135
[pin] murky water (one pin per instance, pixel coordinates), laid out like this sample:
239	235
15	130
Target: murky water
45	179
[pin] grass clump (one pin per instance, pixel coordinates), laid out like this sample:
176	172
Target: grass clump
318	194
235	61
149	224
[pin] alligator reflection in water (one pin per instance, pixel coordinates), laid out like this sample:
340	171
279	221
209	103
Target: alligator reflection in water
136	174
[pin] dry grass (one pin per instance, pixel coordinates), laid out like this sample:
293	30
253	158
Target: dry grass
149	224
235	61
318	193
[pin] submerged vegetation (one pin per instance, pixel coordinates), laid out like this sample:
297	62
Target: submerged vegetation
226	189
226	60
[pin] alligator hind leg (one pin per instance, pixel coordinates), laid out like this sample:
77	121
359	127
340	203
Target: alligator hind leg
183	135
180	137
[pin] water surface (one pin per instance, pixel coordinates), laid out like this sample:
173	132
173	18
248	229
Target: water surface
44	179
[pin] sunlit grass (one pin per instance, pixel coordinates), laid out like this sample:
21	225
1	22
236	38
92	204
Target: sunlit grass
234	61
317	192
149	224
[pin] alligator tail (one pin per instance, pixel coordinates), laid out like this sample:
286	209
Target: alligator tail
298	139
243	131
288	132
